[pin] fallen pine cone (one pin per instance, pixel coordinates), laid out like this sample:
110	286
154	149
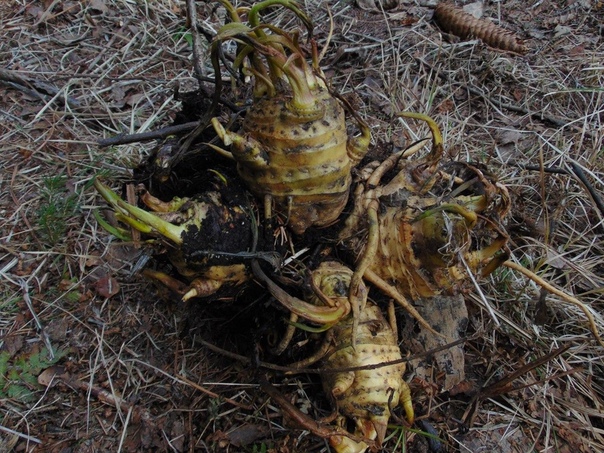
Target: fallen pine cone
456	21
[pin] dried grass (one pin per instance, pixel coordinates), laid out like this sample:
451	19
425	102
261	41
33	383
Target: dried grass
115	65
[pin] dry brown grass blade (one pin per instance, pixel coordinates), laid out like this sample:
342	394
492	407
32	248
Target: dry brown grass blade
503	385
566	297
455	20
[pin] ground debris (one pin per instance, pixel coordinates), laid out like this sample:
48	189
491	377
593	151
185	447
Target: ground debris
450	314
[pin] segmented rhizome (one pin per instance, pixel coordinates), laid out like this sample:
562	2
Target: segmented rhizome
294	148
365	395
354	355
303	165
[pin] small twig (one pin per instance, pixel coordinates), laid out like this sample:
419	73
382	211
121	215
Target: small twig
23	436
554	170
110	44
214	395
47	13
198	56
592	192
27	299
303	420
35	88
124	429
564	296
243	359
558	122
123	139
16	201
503	385
29	92
30	307
576	171
291	370
184	380
187	141
139	414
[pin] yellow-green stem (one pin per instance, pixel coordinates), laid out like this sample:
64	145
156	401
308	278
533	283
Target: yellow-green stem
437	138
310	312
144	221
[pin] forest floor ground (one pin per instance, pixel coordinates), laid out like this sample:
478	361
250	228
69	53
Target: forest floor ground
95	358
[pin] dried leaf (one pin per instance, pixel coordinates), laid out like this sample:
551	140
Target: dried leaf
456	21
518	94
92	259
562	30
51	374
464	387
557	260
57	328
98	6
497	440
133	99
446	106
65	285
246	434
507	136
34	10
577	51
219	438
107	286
178	437
13	344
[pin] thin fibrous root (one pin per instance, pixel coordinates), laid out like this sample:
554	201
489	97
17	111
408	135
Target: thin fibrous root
392	292
358	292
566	297
310	312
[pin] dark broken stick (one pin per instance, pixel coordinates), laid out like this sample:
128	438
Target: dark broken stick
289	370
124	139
139	414
580	175
504	385
35	88
576	171
198	53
